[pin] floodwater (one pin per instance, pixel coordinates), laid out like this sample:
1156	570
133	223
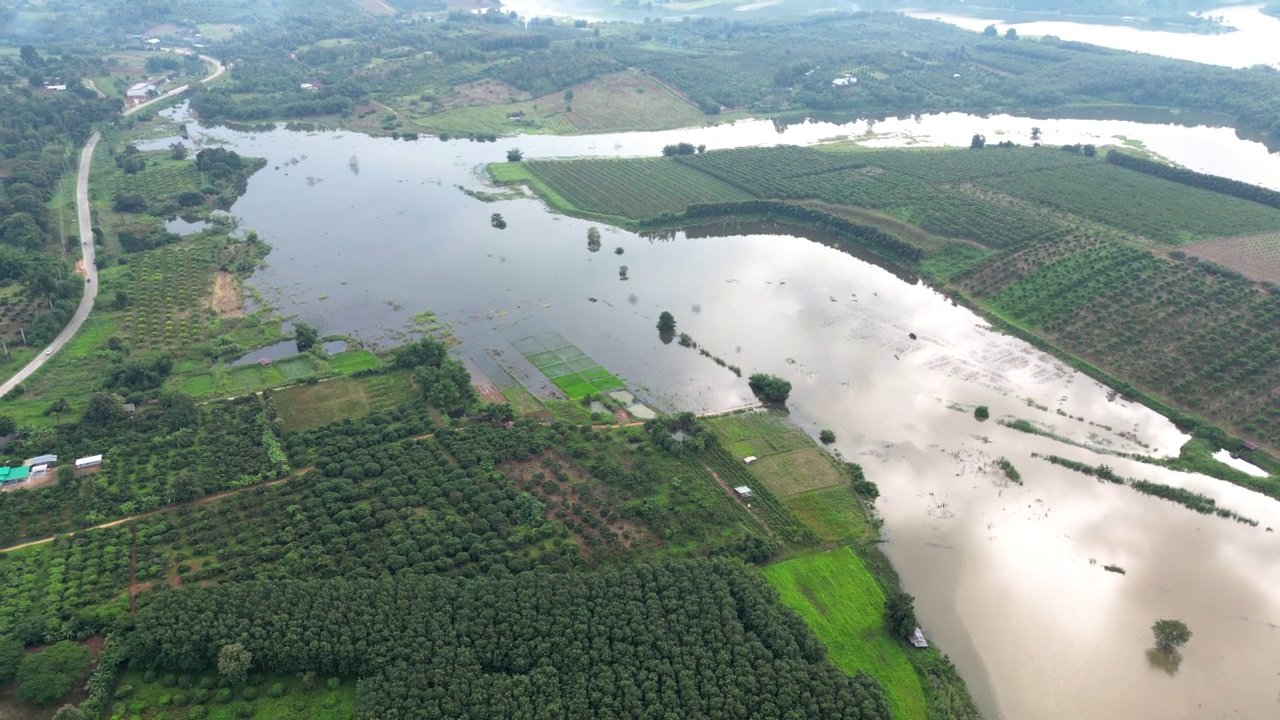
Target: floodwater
1252	43
1008	579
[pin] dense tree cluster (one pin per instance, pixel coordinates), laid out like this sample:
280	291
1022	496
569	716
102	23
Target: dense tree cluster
689	639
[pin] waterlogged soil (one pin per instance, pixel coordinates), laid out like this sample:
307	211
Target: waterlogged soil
1008	579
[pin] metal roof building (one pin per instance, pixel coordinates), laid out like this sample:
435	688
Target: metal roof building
41	459
13	474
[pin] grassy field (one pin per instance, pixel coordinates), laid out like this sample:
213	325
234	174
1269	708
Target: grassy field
835	514
308	406
789	462
617	102
843	605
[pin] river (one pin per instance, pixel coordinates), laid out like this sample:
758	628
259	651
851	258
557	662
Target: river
1252	43
1008	579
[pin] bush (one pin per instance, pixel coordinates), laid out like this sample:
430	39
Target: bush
223	696
277	690
827	437
250	694
333	683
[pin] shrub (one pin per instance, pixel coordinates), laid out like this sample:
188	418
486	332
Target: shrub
333	683
277	690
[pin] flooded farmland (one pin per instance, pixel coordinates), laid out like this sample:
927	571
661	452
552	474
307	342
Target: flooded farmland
1008	579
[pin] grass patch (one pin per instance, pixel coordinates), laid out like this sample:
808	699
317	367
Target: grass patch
797	471
843	605
835	514
309	406
350	361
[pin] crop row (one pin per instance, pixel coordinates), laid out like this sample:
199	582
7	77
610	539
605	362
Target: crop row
1204	339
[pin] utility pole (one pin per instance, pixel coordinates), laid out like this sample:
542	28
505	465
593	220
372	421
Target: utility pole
24	335
6	348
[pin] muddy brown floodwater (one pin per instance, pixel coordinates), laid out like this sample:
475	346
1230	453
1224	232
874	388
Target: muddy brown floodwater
1008	579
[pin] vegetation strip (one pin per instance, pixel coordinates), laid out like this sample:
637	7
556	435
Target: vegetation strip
1199	502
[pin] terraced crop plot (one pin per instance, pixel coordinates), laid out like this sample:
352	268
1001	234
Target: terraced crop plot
637	188
1255	256
570	369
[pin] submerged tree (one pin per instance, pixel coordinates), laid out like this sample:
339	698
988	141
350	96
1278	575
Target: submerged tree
514	155
978	142
827	437
1170	635
666	323
305	336
769	388
593	239
982	412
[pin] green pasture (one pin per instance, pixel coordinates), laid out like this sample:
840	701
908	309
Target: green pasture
841	602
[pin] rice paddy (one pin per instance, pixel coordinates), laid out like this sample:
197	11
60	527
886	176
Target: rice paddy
569	369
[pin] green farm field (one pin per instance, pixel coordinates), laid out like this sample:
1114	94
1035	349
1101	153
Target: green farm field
567	367
634	189
835	514
1161	210
309	406
841	602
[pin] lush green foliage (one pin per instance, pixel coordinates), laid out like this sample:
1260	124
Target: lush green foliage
47	676
436	648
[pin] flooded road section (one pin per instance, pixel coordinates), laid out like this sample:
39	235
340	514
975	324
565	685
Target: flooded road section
1008	579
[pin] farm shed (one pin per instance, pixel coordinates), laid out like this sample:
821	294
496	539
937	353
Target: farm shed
42	459
750	459
88	462
743	491
39	469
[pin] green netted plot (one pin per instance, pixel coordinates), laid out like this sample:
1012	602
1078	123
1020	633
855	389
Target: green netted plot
569	369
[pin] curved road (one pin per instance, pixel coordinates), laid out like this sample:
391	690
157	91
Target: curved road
86	240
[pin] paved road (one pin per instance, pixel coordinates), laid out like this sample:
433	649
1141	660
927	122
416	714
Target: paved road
86	241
